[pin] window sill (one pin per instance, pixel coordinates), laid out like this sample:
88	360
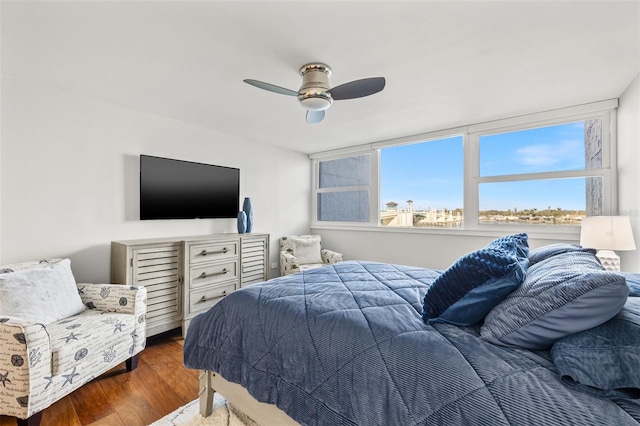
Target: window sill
569	234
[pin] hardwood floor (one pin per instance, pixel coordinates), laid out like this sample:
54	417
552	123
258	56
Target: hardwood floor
159	385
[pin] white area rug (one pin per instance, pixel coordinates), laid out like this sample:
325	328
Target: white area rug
223	415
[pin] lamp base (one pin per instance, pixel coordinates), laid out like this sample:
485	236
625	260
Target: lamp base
609	259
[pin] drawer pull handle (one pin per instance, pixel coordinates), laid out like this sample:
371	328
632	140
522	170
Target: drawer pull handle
205	275
204	298
223	251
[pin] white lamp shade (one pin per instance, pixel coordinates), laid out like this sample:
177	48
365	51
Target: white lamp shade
607	233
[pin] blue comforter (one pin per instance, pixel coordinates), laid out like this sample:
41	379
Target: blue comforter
345	344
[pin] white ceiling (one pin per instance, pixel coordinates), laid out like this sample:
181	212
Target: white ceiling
446	63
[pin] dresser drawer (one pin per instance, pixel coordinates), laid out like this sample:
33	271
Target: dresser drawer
213	251
212	273
201	300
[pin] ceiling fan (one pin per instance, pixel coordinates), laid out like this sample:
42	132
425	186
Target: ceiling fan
315	94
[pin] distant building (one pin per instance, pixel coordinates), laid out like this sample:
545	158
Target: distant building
391	205
394	216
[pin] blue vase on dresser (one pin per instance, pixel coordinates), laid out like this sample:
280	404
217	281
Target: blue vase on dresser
248	210
242	222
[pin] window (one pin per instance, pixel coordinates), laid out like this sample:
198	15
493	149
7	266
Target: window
422	184
343	193
551	175
546	169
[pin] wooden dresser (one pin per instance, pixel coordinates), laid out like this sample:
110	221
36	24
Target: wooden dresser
185	276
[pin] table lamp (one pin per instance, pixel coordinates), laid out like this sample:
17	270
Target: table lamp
606	234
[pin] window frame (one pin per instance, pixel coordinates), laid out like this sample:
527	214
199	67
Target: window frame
604	110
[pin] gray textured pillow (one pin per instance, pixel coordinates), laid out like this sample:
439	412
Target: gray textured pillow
541	253
563	294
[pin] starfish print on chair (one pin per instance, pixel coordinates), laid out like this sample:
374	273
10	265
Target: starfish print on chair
68	378
49	382
4	378
70	337
115	322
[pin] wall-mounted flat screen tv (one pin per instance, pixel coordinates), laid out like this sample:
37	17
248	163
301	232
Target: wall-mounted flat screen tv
176	189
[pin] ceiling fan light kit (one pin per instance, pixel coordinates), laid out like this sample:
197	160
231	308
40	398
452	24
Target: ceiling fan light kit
316	94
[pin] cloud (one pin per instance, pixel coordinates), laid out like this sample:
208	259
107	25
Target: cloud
565	154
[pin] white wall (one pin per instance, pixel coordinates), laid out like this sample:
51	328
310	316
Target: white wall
629	167
69	177
428	250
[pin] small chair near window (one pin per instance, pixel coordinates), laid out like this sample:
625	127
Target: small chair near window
303	252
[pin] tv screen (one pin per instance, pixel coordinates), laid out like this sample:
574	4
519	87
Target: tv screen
175	189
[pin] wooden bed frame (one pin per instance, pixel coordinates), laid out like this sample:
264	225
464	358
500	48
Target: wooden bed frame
260	412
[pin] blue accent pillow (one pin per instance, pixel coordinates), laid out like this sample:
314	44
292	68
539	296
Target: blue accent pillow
465	292
563	294
541	253
603	361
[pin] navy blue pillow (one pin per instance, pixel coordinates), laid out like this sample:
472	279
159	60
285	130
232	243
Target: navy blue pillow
603	361
465	292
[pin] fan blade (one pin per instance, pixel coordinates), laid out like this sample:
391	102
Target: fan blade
271	87
358	88
314	117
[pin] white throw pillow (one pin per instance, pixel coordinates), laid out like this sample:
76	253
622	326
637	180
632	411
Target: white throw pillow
42	294
306	249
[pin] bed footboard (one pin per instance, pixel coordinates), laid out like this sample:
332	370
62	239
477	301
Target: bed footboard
260	412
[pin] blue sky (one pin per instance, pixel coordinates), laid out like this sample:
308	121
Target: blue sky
431	174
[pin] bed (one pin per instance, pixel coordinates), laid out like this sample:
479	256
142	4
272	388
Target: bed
348	344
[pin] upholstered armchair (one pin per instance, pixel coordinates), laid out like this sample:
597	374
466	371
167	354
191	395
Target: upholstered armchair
56	334
303	252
